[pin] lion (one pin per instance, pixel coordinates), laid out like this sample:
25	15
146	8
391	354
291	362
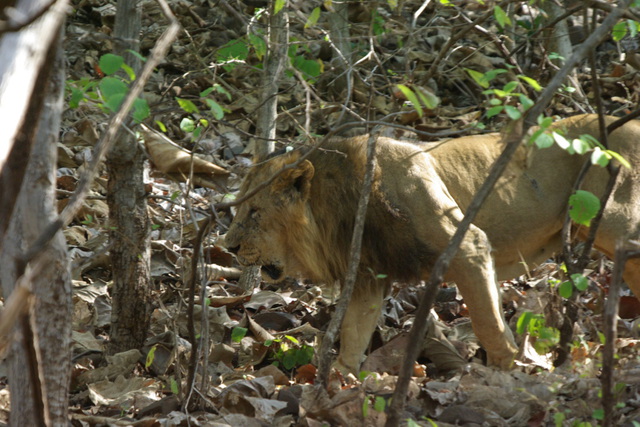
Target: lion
301	224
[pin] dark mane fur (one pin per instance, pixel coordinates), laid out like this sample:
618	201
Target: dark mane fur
390	246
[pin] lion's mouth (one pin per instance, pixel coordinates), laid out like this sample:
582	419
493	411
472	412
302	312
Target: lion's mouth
273	271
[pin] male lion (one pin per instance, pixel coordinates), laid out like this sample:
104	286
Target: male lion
302	223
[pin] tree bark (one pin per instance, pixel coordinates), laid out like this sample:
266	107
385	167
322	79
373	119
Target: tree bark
274	65
39	360
23	53
128	218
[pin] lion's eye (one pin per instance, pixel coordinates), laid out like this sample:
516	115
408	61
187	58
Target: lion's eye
253	212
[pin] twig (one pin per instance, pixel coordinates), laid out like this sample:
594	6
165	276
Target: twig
610	331
621	121
512	139
193	359
324	366
577	265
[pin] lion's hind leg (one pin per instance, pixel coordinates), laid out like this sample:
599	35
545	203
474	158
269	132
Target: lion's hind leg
473	271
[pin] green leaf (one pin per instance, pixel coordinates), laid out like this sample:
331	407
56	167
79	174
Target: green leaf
235	49
379	404
292	339
544	122
583	207
581	282
492	74
512	112
111	86
412	98
161	126
258	44
619	158
114	102
544	140
110	63
619	31
363	374
77	95
580	146
222	90
509	87
187	125
289	359
634	27
137	55
555	55
494	111
591	140
478	77
565	289
598	414
600	157
187	105
141	110
531	82
310	68
150	357
377	23
501	93
523	322
561	141
501	16
428	99
206	92
215	109
238	333
174	386
526	102
130	73
313	18
277	7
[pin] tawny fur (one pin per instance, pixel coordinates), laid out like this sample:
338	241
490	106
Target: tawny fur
302	223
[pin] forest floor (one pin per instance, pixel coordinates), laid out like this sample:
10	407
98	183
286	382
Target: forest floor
261	367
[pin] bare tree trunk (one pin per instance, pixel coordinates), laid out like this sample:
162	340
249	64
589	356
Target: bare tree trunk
129	221
267	113
39	359
339	26
23	53
275	62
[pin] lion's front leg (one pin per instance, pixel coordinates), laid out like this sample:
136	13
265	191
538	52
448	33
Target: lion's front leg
473	271
358	325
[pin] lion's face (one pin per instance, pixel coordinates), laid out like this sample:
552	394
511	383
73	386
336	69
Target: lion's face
263	225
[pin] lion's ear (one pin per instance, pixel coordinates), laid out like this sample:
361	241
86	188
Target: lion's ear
296	181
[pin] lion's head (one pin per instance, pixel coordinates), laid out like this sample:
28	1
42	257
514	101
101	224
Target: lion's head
264	226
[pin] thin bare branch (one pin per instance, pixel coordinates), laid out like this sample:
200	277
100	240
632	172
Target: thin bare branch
354	261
